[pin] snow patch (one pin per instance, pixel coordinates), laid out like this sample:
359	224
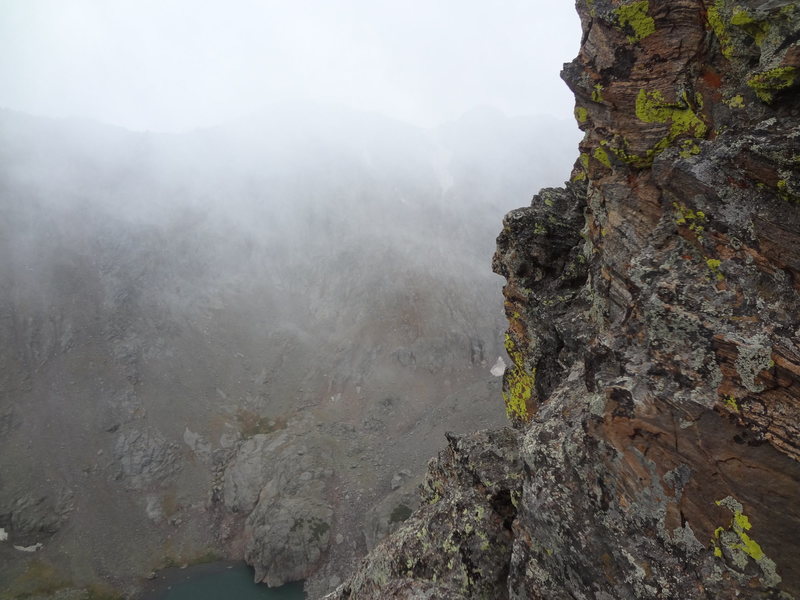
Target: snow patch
33	548
499	367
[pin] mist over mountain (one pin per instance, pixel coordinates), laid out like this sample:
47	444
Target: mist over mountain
184	315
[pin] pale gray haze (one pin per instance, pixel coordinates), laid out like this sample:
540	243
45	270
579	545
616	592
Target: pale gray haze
174	65
246	273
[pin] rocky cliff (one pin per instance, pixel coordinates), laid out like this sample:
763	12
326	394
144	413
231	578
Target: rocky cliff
654	333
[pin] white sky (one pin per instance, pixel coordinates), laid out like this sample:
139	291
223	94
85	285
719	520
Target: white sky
173	65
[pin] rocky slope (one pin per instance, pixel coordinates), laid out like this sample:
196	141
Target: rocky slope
654	331
210	337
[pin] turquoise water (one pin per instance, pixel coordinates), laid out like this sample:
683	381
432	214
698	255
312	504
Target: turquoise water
221	581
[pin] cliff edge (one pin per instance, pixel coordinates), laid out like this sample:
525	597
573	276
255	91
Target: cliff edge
654	333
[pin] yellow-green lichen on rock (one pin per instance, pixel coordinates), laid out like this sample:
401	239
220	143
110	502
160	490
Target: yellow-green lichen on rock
652	107
519	384
714	265
733	24
735	544
736	101
634	16
689	148
785	191
730	402
716	19
597	93
695	219
770	82
602	156
754	28
685	127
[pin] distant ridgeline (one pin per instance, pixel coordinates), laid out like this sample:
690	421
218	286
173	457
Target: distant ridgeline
654	337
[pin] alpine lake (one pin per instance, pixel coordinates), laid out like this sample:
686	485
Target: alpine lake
216	581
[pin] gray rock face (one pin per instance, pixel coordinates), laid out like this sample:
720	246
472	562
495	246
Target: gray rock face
31	517
286	537
281	482
256	463
143	457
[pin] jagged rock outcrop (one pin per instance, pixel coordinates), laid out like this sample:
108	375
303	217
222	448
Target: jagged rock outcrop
458	544
654	325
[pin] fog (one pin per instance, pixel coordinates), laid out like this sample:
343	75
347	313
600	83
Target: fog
174	65
262	225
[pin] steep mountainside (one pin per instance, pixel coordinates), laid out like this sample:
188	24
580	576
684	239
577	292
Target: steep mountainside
654	330
208	335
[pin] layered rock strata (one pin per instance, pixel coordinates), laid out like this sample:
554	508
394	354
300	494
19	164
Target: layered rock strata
654	334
